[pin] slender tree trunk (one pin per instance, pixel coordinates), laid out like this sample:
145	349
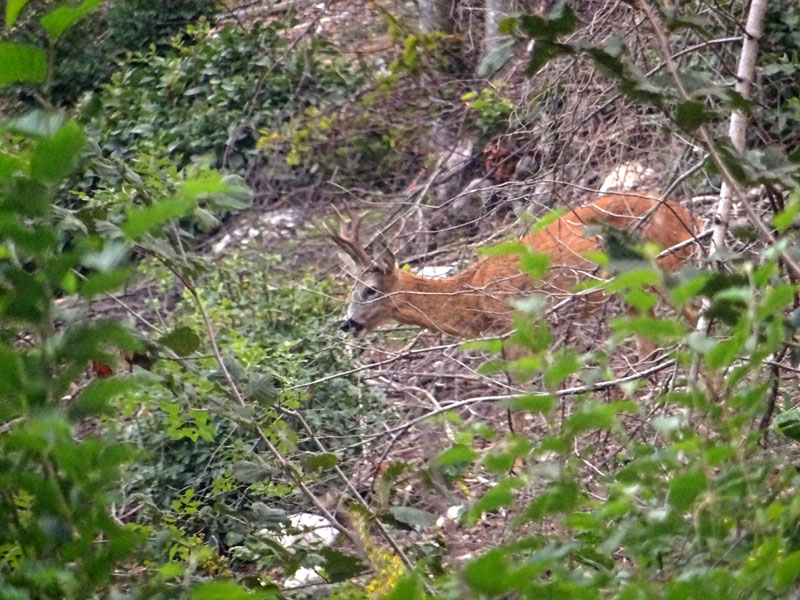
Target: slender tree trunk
744	75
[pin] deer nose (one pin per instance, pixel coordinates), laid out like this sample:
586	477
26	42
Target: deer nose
350	324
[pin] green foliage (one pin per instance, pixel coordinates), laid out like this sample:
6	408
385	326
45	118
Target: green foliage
208	99
88	48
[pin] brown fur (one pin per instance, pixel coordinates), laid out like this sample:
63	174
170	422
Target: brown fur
474	302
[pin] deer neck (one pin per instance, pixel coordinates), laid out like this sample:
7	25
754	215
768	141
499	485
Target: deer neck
447	305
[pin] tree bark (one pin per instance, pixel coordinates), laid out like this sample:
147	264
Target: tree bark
744	79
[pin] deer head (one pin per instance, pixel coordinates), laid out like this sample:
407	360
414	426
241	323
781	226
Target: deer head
376	278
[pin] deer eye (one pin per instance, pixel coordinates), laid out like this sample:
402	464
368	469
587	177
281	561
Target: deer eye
370	292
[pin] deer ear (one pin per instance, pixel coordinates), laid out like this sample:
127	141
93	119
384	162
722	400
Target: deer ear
384	259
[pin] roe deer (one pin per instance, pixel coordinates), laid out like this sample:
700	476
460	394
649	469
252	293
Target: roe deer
475	301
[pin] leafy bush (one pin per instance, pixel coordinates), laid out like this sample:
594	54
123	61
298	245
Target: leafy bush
89	51
210	97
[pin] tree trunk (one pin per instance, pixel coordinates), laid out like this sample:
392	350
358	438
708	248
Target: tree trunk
744	75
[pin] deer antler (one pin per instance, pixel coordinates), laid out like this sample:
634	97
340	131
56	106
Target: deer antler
347	238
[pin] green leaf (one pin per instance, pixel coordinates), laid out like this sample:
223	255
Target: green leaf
220	590
414	517
776	300
170	570
564	367
409	587
13	8
494	346
545	220
456	455
210	182
236	195
65	16
788	423
683	293
498	496
630	280
562	497
140	221
788	571
486	574
98	283
20	63
55	156
339	566
542	53
11	368
561	21
181	340
319	462
533	403
503	249
691	114
507	26
534	264
783	220
657	330
724	352
685	488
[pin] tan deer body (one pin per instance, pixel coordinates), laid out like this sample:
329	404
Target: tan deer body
475	301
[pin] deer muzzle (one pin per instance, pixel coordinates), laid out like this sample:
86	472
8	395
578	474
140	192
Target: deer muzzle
352	326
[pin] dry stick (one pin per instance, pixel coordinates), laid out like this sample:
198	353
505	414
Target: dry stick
399	431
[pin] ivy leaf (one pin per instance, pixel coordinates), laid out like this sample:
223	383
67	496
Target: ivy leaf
20	63
181	340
